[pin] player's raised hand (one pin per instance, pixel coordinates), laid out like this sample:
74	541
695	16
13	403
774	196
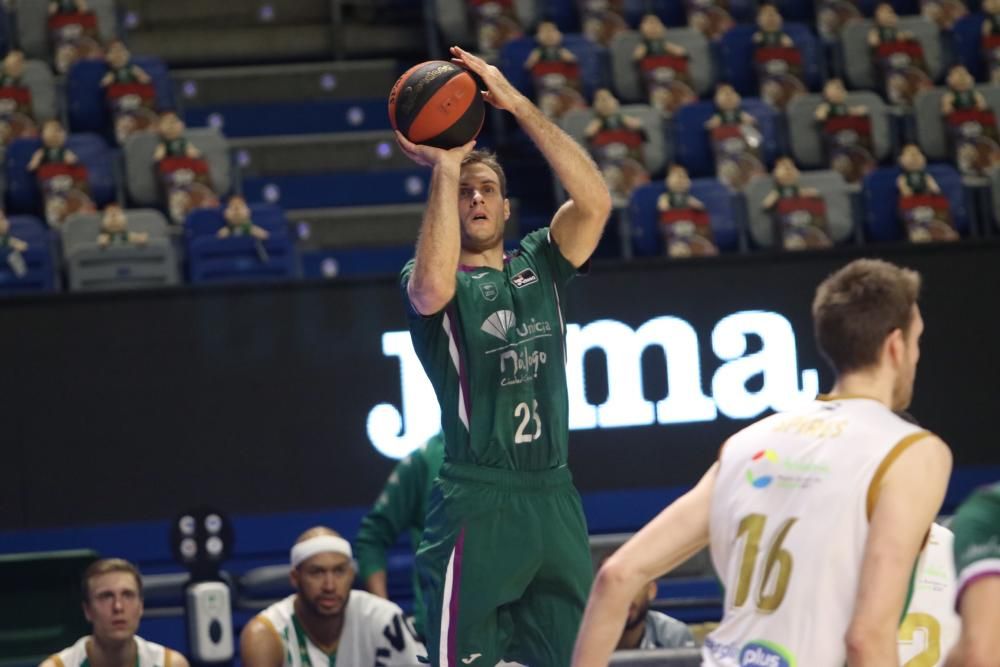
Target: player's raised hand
500	92
428	156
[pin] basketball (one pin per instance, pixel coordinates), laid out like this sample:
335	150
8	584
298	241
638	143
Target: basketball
437	103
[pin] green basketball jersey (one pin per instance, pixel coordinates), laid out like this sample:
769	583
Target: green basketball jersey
496	357
977	537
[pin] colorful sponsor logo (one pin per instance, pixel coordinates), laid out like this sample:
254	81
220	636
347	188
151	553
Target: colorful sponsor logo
761	653
761	480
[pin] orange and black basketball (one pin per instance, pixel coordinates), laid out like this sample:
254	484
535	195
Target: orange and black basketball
437	103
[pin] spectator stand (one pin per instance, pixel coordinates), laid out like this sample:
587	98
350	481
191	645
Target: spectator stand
239	259
882	222
39	259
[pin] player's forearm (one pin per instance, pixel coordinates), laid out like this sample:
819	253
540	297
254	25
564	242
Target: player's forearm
569	160
605	615
432	283
871	646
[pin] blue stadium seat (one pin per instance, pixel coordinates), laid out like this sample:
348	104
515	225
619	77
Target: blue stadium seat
312	117
880	198
692	147
647	239
797	11
23	195
967	43
87	107
233	260
737	49
671	12
38	258
343	262
594	63
340	189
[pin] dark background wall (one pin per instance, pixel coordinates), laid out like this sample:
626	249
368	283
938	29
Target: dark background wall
132	406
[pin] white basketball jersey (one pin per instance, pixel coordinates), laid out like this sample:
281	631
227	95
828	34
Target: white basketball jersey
788	525
148	654
931	627
375	632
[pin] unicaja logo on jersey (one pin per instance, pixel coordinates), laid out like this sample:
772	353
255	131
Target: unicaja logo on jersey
765	654
761	480
499	323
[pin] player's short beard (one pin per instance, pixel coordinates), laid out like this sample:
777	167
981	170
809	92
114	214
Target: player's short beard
471	244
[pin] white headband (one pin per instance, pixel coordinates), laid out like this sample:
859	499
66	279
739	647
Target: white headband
320	544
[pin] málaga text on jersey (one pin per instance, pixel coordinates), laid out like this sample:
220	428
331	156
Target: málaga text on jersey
396	432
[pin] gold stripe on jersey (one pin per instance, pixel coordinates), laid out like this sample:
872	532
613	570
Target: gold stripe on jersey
167	657
274	631
57	660
843	397
876	484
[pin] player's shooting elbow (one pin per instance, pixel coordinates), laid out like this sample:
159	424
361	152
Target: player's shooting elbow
429	294
617	576
864	641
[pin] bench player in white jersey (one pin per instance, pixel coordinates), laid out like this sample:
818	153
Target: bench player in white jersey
325	623
815	516
931	627
112	602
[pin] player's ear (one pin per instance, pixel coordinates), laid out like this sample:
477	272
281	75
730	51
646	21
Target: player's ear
506	209
651	591
293	577
895	346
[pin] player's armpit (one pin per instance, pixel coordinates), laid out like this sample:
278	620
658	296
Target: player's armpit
906	503
260	644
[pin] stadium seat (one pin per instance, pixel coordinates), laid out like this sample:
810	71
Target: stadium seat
737	50
41	610
39	80
593	61
23	195
32	26
692	147
140	175
658	657
87	106
880	198
831	187
38	258
647	240
654	149
932	135
127	266
967	38
239	259
671	12
805	140
859	71
453	24
624	74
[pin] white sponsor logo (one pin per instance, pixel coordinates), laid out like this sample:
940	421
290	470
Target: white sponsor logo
477	276
524	278
499	323
396	432
472	658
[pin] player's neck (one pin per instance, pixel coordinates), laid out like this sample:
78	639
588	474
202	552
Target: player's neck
111	653
491	257
873	385
323	631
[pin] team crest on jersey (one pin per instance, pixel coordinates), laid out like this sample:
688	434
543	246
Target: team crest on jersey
489	291
524	278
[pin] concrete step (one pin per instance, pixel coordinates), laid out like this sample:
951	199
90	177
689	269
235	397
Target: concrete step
285	83
154	14
202	45
317	153
368	226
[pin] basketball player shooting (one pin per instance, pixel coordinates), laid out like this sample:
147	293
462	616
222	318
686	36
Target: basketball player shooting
504	563
814	516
